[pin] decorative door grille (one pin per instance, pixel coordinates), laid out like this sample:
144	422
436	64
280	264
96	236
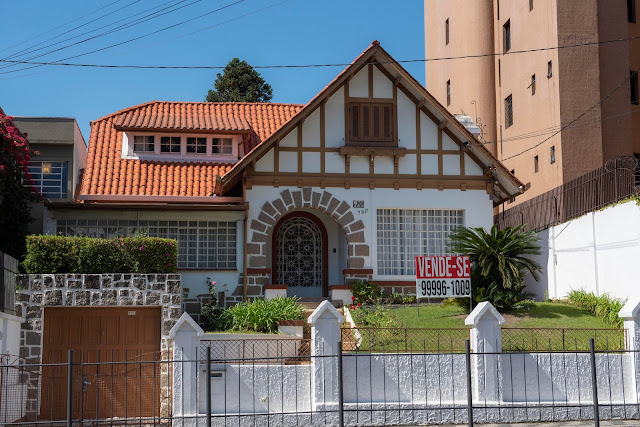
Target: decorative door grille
299	252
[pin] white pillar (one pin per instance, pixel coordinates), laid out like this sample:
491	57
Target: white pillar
630	314
186	342
486	337
325	334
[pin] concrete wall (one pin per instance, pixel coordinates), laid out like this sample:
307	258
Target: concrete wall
10	334
597	252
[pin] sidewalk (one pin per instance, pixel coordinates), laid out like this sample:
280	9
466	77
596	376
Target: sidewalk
559	424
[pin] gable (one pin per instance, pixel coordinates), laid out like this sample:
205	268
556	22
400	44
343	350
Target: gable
430	148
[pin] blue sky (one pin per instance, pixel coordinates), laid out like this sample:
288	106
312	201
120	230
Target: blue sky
292	32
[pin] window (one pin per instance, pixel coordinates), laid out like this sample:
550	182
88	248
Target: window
50	178
506	36
549	69
372	122
222	146
498	9
170	144
633	82
631	11
446	31
499	73
553	154
448	92
404	234
508	111
201	244
533	85
196	145
143	144
530	5
513	172
535	164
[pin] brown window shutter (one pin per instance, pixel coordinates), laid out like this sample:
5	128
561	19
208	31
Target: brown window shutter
388	110
355	122
376	121
366	121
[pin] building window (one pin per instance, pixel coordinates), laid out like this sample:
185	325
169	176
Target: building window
201	244
631	11
50	178
553	154
533	85
196	145
371	122
508	111
143	144
404	234
549	69
499	73
633	82
535	164
498	9
446	31
222	146
448	92
530	5
170	144
506	36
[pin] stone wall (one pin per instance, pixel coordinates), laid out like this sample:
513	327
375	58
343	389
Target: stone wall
80	290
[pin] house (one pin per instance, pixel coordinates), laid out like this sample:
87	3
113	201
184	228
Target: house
307	198
56	170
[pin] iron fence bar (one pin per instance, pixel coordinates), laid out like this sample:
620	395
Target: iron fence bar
340	387
467	346
594	383
208	385
70	389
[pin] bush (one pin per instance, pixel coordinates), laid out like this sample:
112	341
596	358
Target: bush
374	317
603	306
365	292
84	255
258	316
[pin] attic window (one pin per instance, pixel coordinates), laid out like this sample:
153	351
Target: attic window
143	144
196	145
222	146
170	144
371	123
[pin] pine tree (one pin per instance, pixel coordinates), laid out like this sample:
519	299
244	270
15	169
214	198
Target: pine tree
239	82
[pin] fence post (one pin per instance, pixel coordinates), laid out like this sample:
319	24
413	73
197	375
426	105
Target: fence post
208	387
486	341
340	389
469	392
630	314
325	337
70	389
186	341
594	382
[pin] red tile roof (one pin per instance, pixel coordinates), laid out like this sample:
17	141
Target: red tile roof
106	173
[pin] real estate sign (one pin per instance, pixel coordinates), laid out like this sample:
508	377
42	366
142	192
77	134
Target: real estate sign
443	276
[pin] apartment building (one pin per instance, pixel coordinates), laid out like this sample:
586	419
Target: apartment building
526	103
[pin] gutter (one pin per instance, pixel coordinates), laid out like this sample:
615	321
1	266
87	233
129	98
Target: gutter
212	200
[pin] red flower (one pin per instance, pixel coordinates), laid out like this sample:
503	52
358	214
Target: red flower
359	305
353	307
353	298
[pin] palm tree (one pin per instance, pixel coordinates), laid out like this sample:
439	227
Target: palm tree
501	255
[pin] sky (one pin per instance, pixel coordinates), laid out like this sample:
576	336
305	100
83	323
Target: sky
262	32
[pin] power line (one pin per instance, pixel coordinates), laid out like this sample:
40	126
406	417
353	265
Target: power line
577	118
338	64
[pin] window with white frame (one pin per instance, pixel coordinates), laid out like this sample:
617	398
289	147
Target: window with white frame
196	145
404	234
50	178
170	144
144	144
201	244
222	146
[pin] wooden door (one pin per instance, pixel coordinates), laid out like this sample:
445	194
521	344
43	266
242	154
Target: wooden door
111	346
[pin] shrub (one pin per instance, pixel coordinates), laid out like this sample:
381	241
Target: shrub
603	306
259	315
398	298
374	317
85	255
365	292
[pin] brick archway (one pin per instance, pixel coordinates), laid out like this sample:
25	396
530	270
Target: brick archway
258	273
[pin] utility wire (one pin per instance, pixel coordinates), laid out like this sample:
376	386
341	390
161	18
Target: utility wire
337	64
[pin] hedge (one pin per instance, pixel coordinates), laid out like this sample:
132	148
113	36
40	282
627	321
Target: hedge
47	254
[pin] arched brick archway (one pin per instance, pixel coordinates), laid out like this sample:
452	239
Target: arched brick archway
288	201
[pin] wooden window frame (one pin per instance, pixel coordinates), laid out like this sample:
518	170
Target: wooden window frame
506	36
370	140
508	112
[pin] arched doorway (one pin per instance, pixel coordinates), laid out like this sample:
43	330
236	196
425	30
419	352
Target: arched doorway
300	255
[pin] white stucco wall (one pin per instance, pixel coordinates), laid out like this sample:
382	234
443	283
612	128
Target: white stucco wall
596	252
10	334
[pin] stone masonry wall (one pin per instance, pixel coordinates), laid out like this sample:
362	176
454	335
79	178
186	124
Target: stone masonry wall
80	290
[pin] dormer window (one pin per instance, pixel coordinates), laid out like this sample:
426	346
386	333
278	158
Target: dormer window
222	146
144	144
197	145
170	144
371	123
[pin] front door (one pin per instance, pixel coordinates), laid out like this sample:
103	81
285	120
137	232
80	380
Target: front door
300	255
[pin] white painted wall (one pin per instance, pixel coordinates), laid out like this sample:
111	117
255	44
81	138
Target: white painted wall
597	252
10	334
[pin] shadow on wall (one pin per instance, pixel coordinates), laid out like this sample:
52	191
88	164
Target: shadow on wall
540	290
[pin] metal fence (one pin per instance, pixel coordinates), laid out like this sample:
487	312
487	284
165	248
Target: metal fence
8	271
350	388
295	349
609	184
561	339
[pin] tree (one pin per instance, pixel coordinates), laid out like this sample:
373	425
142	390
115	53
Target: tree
239	82
16	190
500	261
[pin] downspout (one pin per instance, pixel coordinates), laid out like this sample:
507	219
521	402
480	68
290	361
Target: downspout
244	255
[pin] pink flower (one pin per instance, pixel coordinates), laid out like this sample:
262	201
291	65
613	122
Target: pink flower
168	254
141	247
213	283
169	264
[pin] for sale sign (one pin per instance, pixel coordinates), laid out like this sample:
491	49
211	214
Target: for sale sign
443	276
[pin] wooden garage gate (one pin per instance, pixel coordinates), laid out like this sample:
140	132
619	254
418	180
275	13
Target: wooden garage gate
119	375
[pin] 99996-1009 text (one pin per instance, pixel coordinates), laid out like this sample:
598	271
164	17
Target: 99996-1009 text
444	288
